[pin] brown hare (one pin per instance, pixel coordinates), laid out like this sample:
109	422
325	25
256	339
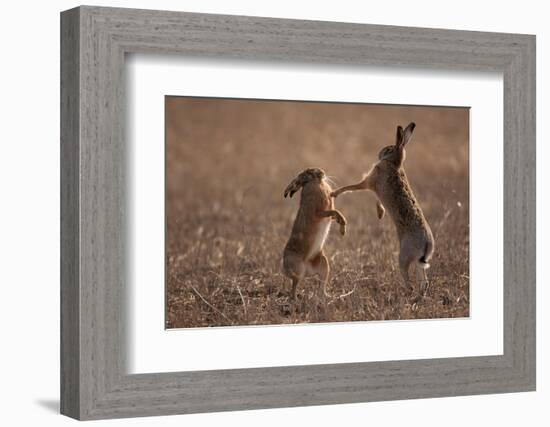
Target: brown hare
303	254
388	181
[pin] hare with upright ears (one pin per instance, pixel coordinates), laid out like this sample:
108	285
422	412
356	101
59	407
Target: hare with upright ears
303	254
388	180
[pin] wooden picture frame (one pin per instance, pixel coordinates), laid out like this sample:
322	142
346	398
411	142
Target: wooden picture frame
94	382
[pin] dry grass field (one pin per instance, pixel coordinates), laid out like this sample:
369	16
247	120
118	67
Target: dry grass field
228	162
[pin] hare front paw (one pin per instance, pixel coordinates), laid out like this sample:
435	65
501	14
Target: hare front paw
343	229
343	223
380	211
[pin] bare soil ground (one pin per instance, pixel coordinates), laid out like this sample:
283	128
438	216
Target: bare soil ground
228	162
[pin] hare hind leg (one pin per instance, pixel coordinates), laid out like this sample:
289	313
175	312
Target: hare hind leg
295	281
405	261
294	268
423	279
321	267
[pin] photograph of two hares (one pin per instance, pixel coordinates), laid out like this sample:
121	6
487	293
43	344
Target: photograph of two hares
293	212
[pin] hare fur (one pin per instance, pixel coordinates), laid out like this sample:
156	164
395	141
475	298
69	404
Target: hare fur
303	254
387	179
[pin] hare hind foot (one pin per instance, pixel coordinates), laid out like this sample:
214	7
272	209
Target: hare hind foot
422	277
295	282
320	267
404	267
295	269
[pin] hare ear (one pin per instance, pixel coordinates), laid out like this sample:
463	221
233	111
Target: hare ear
399	136
407	134
293	187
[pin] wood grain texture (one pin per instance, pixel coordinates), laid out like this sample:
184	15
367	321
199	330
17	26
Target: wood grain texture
70	292
95	273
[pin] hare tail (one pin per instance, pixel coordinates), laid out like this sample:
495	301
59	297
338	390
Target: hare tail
424	259
424	265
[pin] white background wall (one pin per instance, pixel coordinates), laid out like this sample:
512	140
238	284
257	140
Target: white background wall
29	212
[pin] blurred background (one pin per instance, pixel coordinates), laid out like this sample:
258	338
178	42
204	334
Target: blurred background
227	164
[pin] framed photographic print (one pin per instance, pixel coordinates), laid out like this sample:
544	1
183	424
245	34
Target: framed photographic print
261	213
226	223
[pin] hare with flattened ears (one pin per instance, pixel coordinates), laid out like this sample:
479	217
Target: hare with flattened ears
388	181
303	253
